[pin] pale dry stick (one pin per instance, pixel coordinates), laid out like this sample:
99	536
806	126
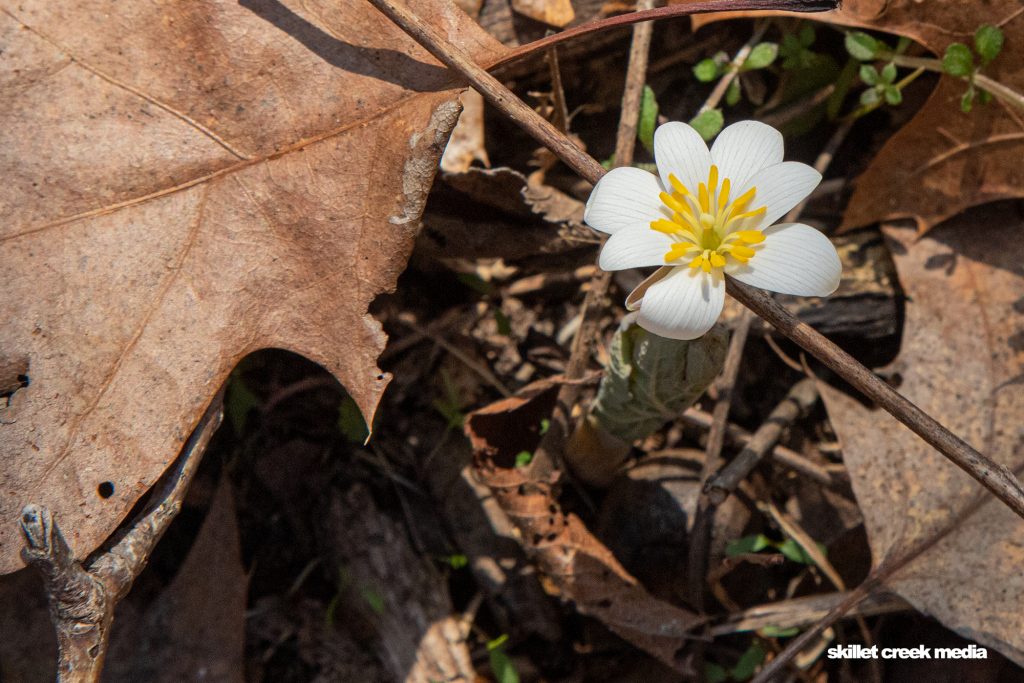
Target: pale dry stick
801	612
587	333
996	478
822	163
636	78
82	600
561	109
733	71
797	402
793	529
784	456
700	535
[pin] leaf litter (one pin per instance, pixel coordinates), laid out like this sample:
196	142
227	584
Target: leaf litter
528	344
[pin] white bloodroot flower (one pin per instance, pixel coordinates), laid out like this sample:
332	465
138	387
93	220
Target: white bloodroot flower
709	214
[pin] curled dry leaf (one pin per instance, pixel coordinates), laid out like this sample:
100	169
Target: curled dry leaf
577	563
183	184
962	360
943	160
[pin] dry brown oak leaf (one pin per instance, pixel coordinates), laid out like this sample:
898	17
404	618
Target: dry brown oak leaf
962	360
943	160
185	183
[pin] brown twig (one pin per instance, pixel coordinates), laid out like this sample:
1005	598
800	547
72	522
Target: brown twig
784	456
800	612
82	599
700	536
636	77
793	529
798	401
559	107
587	333
993	476
680	9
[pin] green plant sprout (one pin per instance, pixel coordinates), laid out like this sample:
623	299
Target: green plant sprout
757	542
958	61
744	669
501	665
450	406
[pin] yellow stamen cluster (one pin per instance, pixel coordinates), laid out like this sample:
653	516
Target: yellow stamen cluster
709	226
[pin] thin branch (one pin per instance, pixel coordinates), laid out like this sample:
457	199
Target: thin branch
993	476
784	456
700	536
685	8
798	401
82	600
587	333
636	78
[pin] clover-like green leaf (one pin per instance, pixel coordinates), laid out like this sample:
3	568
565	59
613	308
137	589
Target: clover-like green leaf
958	60
733	94
648	119
706	70
888	73
869	74
761	56
709	123
988	41
862	46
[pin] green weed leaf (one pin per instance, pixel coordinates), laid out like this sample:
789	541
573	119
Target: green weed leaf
958	60
648	119
709	123
761	56
988	41
862	46
706	70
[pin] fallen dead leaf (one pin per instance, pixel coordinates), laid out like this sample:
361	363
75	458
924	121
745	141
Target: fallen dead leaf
195	629
943	160
185	184
962	361
580	567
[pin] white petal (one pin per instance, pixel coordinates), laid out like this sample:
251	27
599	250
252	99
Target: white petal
680	150
634	247
683	305
636	297
793	259
744	148
624	197
780	188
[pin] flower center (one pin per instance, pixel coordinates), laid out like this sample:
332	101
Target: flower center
708	225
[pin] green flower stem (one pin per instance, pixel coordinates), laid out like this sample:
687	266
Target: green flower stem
997	89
